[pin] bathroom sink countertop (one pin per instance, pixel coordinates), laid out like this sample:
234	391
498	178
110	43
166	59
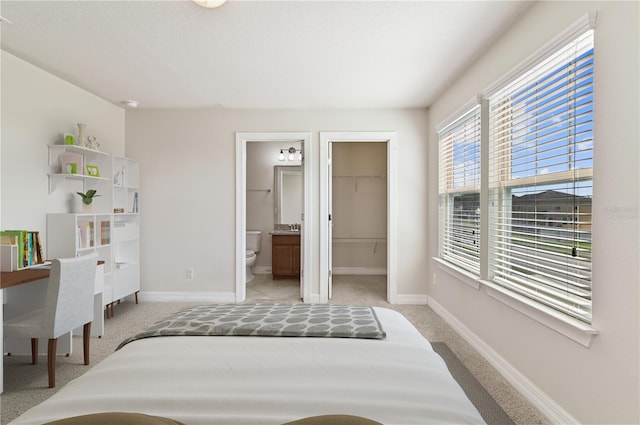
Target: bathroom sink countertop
284	232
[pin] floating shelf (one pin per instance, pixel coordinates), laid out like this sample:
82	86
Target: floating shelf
55	178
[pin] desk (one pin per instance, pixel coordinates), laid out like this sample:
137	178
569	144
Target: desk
26	289
9	279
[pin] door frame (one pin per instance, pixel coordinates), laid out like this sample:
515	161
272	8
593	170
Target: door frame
391	139
241	205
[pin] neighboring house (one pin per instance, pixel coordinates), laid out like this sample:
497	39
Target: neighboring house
555	209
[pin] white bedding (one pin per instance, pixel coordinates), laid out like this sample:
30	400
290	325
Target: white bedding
270	380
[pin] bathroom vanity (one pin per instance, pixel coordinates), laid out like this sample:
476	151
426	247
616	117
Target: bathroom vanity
285	255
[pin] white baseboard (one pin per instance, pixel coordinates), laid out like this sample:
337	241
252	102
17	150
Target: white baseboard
175	296
415	299
545	404
359	270
313	299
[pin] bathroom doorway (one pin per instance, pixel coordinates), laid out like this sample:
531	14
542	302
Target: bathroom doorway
368	235
261	193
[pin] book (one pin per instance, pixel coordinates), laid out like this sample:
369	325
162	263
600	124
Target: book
39	258
8	239
29	247
91	233
105	233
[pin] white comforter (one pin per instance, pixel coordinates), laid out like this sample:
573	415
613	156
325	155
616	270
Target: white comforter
270	380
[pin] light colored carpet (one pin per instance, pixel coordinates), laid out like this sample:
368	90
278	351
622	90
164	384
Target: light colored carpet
25	385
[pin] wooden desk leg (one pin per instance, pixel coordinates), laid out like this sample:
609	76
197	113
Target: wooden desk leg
34	351
51	361
86	339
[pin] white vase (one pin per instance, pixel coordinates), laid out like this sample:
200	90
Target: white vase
87	208
82	141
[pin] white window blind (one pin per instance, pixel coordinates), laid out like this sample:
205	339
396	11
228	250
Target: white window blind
459	190
540	176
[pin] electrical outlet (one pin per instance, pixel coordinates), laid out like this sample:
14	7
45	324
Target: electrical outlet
435	281
190	273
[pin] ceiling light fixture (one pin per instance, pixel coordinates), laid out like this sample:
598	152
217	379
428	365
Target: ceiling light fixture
210	4
130	103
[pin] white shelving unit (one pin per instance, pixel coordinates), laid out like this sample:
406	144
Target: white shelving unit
73	235
126	244
99	159
112	229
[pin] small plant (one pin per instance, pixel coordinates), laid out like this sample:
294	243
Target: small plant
87	198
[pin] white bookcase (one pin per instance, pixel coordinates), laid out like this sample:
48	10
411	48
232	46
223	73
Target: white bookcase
126	255
112	229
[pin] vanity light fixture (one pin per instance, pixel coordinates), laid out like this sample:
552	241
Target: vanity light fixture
291	154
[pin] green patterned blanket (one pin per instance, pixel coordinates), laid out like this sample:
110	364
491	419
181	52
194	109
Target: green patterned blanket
290	320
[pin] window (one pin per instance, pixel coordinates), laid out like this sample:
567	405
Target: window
459	190
519	216
540	180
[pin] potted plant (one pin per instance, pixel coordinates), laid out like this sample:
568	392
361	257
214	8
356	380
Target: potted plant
87	199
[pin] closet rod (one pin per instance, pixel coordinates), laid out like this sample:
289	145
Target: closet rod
259	190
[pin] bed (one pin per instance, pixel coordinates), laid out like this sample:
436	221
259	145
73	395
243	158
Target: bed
390	375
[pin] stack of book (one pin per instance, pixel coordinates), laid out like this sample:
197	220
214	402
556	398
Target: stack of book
85	235
105	233
26	246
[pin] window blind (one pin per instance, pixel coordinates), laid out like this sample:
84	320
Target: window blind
459	190
540	177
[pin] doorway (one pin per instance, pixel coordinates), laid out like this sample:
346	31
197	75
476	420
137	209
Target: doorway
304	140
327	141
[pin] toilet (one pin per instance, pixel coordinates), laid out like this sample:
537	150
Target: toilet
254	239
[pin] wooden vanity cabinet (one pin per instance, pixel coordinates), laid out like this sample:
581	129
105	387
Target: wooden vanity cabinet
285	256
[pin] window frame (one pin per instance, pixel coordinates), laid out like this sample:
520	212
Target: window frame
467	123
571	327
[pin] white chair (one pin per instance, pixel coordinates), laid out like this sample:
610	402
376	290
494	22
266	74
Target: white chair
69	305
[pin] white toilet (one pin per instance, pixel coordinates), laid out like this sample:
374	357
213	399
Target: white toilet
254	239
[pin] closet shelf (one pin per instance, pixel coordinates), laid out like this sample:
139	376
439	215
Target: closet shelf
382	176
374	241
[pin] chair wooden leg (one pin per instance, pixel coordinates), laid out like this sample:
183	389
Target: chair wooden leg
34	350
86	339
51	360
136	295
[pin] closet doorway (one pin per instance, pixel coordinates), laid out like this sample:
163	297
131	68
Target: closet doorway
304	141
358	208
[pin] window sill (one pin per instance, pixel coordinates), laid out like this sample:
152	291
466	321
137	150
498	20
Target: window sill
458	272
574	329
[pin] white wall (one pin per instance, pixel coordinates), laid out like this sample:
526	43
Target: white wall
37	108
599	384
187	160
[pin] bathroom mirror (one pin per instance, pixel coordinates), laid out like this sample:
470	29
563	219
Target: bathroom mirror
288	194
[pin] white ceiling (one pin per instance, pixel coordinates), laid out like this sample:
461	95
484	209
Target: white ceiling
257	54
